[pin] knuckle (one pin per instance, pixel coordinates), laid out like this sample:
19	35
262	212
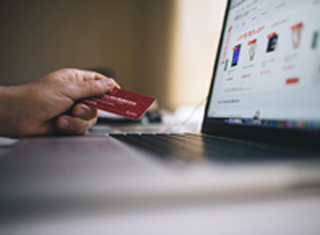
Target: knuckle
77	74
80	127
95	86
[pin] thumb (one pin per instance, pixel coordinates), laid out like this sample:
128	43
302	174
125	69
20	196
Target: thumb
90	88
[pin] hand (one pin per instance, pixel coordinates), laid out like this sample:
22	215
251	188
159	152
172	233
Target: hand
49	105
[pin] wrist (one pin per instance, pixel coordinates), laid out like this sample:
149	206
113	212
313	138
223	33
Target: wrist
9	103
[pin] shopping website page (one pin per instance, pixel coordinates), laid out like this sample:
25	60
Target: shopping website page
269	64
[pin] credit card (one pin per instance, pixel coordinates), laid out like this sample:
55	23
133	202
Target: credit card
124	103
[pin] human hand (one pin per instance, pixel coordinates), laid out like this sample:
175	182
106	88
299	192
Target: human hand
49	105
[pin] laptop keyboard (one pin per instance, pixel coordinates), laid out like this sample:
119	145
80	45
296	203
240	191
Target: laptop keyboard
200	146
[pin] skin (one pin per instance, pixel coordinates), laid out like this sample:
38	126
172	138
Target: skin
49	105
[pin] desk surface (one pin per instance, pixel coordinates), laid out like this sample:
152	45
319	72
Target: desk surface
283	213
289	214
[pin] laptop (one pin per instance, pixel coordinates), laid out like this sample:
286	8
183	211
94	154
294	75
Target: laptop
265	84
260	132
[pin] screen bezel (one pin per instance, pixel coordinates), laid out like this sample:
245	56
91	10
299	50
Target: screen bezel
254	133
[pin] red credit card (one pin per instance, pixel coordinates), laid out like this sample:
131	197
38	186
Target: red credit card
122	102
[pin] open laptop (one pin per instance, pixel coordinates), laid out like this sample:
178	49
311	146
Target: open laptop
263	103
265	85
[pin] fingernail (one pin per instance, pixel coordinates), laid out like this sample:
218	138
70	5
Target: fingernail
80	112
64	123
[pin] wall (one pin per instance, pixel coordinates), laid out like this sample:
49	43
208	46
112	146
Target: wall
156	25
161	48
193	46
38	36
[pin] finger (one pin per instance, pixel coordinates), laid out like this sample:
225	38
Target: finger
90	88
73	125
84	75
84	112
77	75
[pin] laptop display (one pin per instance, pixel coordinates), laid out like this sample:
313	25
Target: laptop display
267	71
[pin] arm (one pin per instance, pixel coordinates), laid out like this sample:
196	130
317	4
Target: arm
49	105
8	105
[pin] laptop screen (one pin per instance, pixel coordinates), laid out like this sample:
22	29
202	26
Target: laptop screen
268	68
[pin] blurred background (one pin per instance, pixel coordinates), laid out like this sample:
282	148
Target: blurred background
160	48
